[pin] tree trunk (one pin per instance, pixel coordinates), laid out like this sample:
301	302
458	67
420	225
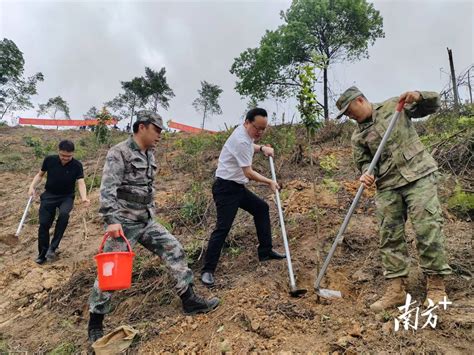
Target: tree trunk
131	115
54	117
204	118
453	78
469	84
155	106
326	110
8	106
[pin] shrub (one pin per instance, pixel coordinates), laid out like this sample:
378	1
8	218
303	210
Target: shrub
40	149
195	204
282	138
331	185
193	250
329	164
461	202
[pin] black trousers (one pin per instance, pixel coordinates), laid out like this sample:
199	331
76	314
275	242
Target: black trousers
229	196
47	212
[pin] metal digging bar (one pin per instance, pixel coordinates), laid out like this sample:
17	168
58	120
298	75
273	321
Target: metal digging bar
294	291
326	293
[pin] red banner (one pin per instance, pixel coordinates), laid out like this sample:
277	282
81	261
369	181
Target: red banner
51	122
186	128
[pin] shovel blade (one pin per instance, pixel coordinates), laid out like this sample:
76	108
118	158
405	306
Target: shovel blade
10	240
326	293
298	292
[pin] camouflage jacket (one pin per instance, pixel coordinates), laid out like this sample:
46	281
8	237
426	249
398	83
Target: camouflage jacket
126	190
404	158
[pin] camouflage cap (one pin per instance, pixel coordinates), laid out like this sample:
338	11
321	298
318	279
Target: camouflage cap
345	99
150	116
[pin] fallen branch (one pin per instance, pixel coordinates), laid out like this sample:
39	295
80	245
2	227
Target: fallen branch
445	140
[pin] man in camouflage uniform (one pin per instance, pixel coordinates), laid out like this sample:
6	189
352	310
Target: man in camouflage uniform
406	186
127	205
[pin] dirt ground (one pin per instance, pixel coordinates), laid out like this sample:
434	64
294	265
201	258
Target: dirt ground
44	308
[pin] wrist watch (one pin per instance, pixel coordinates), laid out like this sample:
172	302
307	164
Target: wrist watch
261	148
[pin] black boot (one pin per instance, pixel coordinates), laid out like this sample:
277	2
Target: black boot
95	330
272	254
40	259
193	304
51	254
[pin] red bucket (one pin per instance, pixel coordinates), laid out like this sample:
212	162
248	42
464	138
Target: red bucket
114	269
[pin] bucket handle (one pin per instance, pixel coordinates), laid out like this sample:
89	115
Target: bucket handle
107	235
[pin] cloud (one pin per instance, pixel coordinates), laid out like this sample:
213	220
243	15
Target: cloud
85	49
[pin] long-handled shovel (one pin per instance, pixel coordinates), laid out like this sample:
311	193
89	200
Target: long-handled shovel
294	292
326	293
12	240
20	226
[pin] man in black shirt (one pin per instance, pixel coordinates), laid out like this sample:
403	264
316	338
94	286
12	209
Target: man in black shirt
62	172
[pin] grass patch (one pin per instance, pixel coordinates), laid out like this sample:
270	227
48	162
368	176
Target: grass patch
329	164
11	161
195	205
168	225
461	202
193	250
331	185
94	181
63	349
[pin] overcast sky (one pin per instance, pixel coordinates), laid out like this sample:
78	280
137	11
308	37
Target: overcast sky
85	48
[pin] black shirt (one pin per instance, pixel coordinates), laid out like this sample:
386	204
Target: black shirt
61	179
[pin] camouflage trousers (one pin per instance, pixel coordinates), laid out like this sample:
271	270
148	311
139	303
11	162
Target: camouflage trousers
419	201
158	240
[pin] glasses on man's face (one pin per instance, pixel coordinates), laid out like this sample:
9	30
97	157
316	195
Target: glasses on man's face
259	129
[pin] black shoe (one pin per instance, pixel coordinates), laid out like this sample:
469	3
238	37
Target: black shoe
51	255
95	329
40	260
271	255
207	278
193	304
95	334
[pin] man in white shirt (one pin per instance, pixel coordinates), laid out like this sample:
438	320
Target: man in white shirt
234	170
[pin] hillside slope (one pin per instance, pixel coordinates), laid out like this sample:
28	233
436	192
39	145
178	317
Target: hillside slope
44	308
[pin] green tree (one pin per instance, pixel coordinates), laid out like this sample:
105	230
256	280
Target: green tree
53	106
336	30
157	91
252	103
101	131
208	101
91	114
11	61
151	90
132	98
15	90
307	103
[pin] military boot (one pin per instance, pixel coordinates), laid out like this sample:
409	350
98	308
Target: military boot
95	329
193	304
435	289
394	296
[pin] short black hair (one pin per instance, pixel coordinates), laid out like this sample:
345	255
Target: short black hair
257	111
137	123
66	146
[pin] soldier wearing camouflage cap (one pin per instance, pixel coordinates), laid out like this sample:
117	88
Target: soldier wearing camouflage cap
127	204
406	186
